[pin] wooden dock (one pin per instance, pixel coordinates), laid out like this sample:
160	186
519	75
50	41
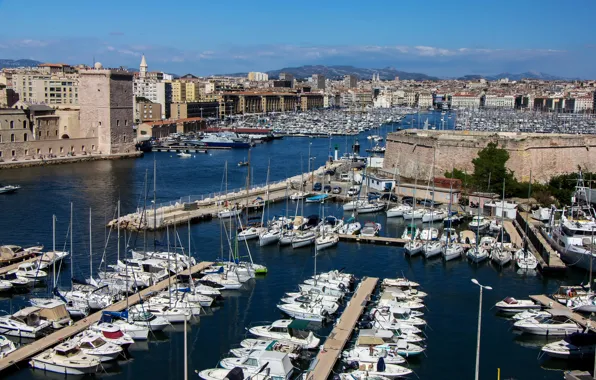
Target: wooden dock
8	268
32	349
552	304
335	343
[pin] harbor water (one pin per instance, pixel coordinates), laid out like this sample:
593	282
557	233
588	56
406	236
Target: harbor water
452	303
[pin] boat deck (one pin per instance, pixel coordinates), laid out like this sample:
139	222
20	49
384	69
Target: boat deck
335	343
32	349
550	303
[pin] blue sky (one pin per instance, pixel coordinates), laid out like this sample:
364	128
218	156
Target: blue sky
442	38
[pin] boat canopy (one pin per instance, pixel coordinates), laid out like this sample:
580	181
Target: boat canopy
298	324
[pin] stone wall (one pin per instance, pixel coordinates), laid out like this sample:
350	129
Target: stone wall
121	113
545	155
25	150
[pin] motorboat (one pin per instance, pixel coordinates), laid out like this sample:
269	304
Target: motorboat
249	233
329	302
398	210
487	242
350	227
299	195
554	325
512	305
170	314
227	282
94	345
5	285
467	237
331	224
8	189
525	260
403	348
260	365
574	346
288	330
66	359
16	282
6	346
398	315
184	155
432	248
47	259
303	239
324	288
52	310
314	312
137	331
494	226
477	254
453	251
111	333
411	232
248	346
25	323
372	353
413	247
532	313
366	336
583	304
414	214
228	212
370	229
30	270
271	236
325	241
359	375
479	223
138	318
429	234
400	282
160	300
390	371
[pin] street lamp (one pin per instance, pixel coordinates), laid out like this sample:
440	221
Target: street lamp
309	144
479	324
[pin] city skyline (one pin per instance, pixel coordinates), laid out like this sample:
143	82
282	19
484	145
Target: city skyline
218	38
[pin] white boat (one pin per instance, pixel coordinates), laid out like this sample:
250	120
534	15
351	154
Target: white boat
353	205
532	313
314	312
467	237
7	189
94	345
6	346
487	242
184	155
512	305
453	251
400	282
249	233
325	241
251	345
429	234
49	258
372	353
403	348
5	285
66	359
583	304
574	346
303	239
390	371
398	210
434	216
370	229
542	214
479	223
414	214
500	256
229	212
270	236
30	270
432	248
261	365
228	283
299	195
111	333
525	260
554	325
52	310
369	207
350	227
170	314
399	315
360	375
477	254
25	323
411	232
495	226
386	336
288	331
413	247
142	319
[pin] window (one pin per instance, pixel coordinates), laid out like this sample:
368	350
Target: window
92	147
26	152
100	123
56	132
83	148
126	123
12	137
24	124
117	123
38	151
47	133
40	134
61	150
12	124
14	153
25	137
50	150
65	127
72	148
124	138
0	153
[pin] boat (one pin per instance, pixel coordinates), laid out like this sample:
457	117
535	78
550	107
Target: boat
288	330
370	350
299	195
25	323
532	313
434	216
94	345
184	155
525	260
303	239
400	282
6	346
494	226
500	256
30	270
228	212
428	234
261	365
370	229
326	240
370	207
574	346
467	237
432	248
52	310
248	346
411	232
477	254
448	236
512	305
8	189
271	236
66	359
243	163
250	233
350	227
479	223
170	314
111	333
557	324
314	312
391	371
414	214
542	214
398	210
317	198
453	251
224	140
413	247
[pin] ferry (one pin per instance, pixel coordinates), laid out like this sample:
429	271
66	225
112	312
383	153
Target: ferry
225	140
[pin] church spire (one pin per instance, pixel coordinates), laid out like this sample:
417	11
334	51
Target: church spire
143	67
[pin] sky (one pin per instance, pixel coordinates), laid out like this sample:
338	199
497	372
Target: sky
440	38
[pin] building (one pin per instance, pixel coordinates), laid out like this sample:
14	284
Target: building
283	84
258	77
53	84
147	111
7	97
178	91
310	101
106	107
465	100
194	109
425	100
164	98
583	103
318	81
351	81
499	101
286	76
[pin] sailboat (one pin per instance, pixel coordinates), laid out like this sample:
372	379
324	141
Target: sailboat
498	253
413	246
272	234
452	249
523	259
227	211
326	239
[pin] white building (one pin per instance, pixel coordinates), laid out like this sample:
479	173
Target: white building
465	100
382	101
499	101
425	100
258	77
151	87
583	103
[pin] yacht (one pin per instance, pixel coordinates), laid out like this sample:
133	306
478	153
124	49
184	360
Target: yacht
414	214
500	256
525	260
303	239
429	234
25	323
327	240
370	229
479	223
314	312
554	325
287	330
477	254
398	210
372	353
369	207
453	251
248	346
66	359
260	365
95	346
377	370
574	346
411	232
30	271
434	216
8	189
512	305
350	227
432	248
413	247
6	346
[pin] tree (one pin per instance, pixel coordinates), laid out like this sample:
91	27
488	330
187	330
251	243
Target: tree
491	163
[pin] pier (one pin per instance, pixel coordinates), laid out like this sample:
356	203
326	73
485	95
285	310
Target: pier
551	304
335	343
181	149
32	349
8	268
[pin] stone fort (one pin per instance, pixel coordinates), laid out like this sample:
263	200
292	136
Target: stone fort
411	153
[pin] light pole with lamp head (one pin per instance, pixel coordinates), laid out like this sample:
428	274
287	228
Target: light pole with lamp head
479	326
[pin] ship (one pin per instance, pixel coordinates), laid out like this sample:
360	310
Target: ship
225	140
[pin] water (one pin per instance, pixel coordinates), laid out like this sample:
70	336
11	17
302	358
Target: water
452	302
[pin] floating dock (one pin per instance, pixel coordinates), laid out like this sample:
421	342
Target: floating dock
335	343
552	304
32	349
380	240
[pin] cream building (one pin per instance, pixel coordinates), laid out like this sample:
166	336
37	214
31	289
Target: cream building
53	84
257	76
465	100
499	101
425	100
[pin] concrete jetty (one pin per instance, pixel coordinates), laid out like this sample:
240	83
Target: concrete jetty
32	349
335	343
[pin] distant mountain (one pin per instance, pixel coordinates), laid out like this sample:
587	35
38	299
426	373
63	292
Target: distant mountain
12	63
526	75
338	72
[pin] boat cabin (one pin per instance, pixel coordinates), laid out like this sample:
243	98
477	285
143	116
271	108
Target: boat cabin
67	349
29	316
54	311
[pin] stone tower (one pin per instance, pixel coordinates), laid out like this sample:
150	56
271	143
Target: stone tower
143	68
106	109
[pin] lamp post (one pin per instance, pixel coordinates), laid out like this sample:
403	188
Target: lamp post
479	326
309	144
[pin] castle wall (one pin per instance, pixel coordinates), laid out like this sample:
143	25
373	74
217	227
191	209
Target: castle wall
545	155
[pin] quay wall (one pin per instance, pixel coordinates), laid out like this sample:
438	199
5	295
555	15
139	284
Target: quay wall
411	152
66	160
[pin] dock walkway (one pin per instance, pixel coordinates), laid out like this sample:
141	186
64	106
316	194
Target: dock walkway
32	349
552	304
335	343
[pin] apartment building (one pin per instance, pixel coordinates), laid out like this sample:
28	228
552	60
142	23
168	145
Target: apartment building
499	101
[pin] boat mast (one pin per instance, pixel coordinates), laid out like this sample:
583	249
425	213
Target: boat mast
503	216
145	213
54	249
90	248
118	250
169	276
154	205
189	260
526	230
71	247
247	185
267	198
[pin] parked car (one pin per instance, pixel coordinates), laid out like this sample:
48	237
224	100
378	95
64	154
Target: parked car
407	201
336	190
352	191
372	195
317	186
389	197
427	203
327	188
345	177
